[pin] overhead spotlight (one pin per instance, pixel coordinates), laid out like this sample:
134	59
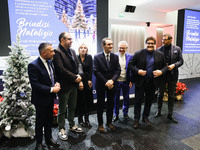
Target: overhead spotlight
148	24
130	8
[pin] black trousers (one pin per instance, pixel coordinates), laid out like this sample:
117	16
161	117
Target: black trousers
144	93
171	94
101	91
44	118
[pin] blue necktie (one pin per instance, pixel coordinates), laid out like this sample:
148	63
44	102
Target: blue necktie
107	60
50	70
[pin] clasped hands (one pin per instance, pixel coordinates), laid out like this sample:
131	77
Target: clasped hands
56	87
156	73
109	84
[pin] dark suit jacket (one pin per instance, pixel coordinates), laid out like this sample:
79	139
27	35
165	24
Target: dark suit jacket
40	83
101	70
87	66
64	69
176	58
139	62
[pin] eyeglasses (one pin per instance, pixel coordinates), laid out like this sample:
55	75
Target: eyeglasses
150	43
68	38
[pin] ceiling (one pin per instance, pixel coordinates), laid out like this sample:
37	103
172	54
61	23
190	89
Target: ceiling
146	7
164	5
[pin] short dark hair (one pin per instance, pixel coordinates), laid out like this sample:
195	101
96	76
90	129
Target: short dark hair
42	46
168	35
151	38
62	35
103	41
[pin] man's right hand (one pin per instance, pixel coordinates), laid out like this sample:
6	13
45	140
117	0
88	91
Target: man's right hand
78	79
142	72
56	89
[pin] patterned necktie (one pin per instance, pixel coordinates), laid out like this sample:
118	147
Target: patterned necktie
50	70
107	60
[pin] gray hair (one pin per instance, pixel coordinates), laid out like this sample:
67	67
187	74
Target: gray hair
122	42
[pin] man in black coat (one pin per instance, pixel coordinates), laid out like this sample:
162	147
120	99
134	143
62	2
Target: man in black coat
174	59
68	70
148	66
44	88
106	70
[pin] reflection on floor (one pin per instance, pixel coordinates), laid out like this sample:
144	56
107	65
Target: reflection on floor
163	135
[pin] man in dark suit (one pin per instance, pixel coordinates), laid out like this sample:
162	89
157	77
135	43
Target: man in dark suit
174	59
68	71
123	82
106	70
44	89
148	66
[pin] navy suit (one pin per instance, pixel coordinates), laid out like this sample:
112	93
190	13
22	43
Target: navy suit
104	73
42	98
124	85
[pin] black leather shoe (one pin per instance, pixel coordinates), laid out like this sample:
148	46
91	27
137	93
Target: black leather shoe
39	147
126	117
146	120
52	142
172	118
157	114
136	124
115	118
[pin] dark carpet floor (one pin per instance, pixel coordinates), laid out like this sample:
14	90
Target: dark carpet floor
163	135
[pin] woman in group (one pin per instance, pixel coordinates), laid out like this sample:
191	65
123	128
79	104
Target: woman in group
85	95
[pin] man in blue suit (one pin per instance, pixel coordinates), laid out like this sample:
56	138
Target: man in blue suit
44	89
123	82
106	70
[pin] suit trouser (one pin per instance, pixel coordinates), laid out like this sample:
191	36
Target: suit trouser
44	119
69	98
147	93
171	95
101	103
125	90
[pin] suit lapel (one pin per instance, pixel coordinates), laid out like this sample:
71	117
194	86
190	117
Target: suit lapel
41	64
103	58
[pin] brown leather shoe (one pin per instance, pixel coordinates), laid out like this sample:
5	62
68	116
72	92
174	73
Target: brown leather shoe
101	129
111	126
146	120
136	124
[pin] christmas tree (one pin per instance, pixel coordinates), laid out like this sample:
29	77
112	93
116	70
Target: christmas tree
17	114
79	21
64	18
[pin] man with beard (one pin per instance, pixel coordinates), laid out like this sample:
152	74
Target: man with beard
123	82
174	59
148	66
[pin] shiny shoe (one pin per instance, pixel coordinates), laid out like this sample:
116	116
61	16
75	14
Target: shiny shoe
146	120
115	118
136	124
172	118
126	117
101	129
39	147
52	142
111	126
157	114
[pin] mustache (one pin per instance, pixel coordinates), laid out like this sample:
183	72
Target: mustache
150	46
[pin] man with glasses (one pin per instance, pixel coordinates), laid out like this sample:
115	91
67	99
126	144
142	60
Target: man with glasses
123	82
68	71
148	66
174	59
